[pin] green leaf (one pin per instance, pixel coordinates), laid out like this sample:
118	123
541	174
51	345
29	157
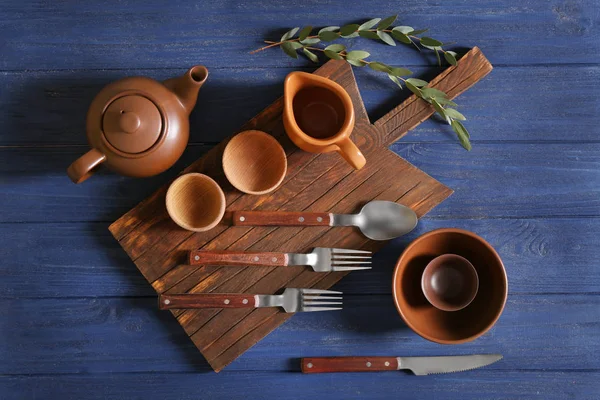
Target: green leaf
437	55
450	56
438	107
386	22
289	49
368	34
395	80
329	29
386	38
347	30
304	32
401	37
356	63
413	88
377	66
403	29
419	31
357	55
433	93
333	55
310	41
452	113
445	102
312	56
417	82
369	24
400	71
296	45
427	41
328	36
336	47
462	133
289	34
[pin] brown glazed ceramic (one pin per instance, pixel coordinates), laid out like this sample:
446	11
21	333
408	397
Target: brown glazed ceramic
442	326
195	202
254	162
450	282
318	116
139	127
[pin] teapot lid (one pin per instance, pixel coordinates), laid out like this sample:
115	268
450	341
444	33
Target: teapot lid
132	123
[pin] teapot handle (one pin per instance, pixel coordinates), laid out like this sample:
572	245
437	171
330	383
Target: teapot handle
85	166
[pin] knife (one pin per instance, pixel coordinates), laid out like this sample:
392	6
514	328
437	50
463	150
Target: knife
418	365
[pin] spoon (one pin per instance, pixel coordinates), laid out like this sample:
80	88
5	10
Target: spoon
377	220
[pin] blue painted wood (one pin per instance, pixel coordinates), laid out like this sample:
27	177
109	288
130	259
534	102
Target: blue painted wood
49	107
478	384
517	181
115	335
83	259
158	34
76	321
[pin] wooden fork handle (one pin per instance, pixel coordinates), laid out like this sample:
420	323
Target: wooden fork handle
315	365
280	218
206	300
200	257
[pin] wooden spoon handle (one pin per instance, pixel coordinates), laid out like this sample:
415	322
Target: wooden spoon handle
316	365
200	257
206	300
280	218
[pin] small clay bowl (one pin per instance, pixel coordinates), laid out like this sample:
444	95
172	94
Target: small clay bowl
450	282
442	326
254	162
195	202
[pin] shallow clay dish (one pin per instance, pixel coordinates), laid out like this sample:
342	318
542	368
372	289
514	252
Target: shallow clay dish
195	202
254	162
442	326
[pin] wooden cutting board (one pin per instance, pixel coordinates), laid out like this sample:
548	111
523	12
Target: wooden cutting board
314	182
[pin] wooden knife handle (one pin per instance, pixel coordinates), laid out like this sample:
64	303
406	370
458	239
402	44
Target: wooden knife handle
206	300
200	257
315	365
280	218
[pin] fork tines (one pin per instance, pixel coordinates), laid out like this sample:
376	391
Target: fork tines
348	259
311	300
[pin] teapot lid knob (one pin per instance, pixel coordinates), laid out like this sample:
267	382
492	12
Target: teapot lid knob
129	122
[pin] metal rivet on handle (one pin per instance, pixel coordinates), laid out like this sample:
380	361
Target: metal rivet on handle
309	365
387	363
197	258
245	301
274	259
226	301
368	364
242	218
319	219
301	219
167	301
255	258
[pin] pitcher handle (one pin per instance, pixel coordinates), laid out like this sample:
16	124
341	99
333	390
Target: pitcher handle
85	166
351	153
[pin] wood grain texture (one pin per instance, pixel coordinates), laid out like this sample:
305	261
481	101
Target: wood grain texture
243	258
316	365
157	247
205	300
280	218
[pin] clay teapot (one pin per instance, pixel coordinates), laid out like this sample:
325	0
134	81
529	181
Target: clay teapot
138	126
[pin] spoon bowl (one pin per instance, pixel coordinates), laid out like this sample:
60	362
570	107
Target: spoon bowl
384	220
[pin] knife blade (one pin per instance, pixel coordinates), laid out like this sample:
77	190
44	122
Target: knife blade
418	365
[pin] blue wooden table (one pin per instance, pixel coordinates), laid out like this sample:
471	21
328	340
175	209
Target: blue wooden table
77	320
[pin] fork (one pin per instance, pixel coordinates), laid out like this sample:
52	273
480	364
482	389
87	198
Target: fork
321	259
291	300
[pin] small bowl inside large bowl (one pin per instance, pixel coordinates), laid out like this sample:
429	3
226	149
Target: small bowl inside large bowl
443	326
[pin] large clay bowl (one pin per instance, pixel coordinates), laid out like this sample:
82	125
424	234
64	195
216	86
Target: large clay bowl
443	326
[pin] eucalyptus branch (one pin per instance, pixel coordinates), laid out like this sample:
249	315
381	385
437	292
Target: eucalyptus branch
378	29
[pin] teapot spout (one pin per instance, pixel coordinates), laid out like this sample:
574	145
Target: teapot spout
186	87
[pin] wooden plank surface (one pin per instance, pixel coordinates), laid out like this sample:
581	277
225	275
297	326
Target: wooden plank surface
313	183
540	104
